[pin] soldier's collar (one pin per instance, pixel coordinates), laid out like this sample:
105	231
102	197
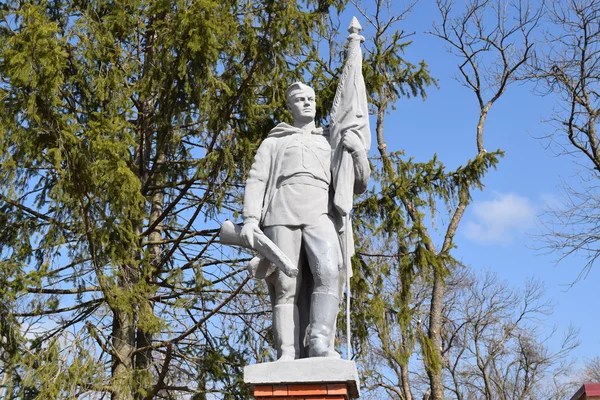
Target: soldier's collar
284	129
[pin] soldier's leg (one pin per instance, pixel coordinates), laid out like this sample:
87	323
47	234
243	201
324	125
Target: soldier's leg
324	257
284	293
306	288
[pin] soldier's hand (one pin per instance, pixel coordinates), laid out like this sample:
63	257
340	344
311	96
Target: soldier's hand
351	141
247	234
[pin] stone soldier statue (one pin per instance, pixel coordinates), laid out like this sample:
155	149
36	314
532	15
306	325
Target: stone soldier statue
289	196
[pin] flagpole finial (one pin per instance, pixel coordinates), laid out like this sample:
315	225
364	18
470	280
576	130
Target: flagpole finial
354	26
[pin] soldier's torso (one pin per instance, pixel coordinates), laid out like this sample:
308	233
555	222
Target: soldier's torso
302	187
306	154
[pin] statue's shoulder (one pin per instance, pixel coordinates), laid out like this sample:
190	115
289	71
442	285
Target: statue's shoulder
276	137
281	130
324	131
323	134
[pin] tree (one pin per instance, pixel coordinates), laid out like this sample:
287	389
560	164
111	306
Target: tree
503	46
492	342
379	227
403	271
123	128
591	370
410	191
568	68
125	131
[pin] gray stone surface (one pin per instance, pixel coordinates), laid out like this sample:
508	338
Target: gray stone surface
307	370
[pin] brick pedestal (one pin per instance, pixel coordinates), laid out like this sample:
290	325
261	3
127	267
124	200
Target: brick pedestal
323	391
306	379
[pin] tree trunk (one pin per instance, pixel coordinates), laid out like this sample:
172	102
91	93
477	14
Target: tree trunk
405	382
143	358
435	326
123	341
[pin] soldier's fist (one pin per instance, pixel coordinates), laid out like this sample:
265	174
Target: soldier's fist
351	141
247	234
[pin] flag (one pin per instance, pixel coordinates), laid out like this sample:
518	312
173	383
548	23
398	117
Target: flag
350	114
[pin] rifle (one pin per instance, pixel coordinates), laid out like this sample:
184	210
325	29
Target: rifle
270	254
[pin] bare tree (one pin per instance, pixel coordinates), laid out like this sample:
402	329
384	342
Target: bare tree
493	344
493	41
591	370
569	69
390	367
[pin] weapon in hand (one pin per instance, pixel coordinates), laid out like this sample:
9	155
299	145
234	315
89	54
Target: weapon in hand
230	234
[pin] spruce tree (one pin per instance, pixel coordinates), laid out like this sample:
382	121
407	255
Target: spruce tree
125	128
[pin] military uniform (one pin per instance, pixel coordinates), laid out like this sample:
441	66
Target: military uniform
288	193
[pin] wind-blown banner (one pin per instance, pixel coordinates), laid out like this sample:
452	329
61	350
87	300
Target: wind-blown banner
349	114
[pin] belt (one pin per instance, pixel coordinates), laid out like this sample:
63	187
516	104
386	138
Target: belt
305	180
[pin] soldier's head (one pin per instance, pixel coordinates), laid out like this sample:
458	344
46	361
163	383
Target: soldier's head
301	102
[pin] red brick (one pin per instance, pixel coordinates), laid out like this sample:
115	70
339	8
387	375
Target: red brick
307	390
337	388
303	397
280	390
263	390
283	398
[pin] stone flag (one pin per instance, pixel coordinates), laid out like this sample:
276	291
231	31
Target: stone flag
350	114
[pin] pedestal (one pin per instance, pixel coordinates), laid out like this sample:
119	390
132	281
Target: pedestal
308	378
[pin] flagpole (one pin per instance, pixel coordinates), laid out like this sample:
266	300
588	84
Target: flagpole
348	263
354	30
349	115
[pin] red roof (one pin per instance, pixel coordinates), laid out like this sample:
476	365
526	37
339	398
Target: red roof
588	389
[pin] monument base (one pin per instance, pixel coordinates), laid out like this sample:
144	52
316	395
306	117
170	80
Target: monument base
307	378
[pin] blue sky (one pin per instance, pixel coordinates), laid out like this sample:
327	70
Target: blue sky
499	228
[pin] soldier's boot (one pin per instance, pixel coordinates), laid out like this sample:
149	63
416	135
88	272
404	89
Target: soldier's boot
324	308
332	352
285	331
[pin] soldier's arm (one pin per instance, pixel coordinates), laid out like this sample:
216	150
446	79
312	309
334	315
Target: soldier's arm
362	170
254	192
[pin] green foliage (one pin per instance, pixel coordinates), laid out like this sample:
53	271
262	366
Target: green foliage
431	357
53	374
383	214
125	129
389	76
396	262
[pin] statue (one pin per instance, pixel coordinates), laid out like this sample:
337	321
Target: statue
296	209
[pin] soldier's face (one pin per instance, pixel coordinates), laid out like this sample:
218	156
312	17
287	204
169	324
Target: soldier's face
302	105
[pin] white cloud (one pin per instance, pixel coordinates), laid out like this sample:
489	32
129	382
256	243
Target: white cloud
550	201
500	219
